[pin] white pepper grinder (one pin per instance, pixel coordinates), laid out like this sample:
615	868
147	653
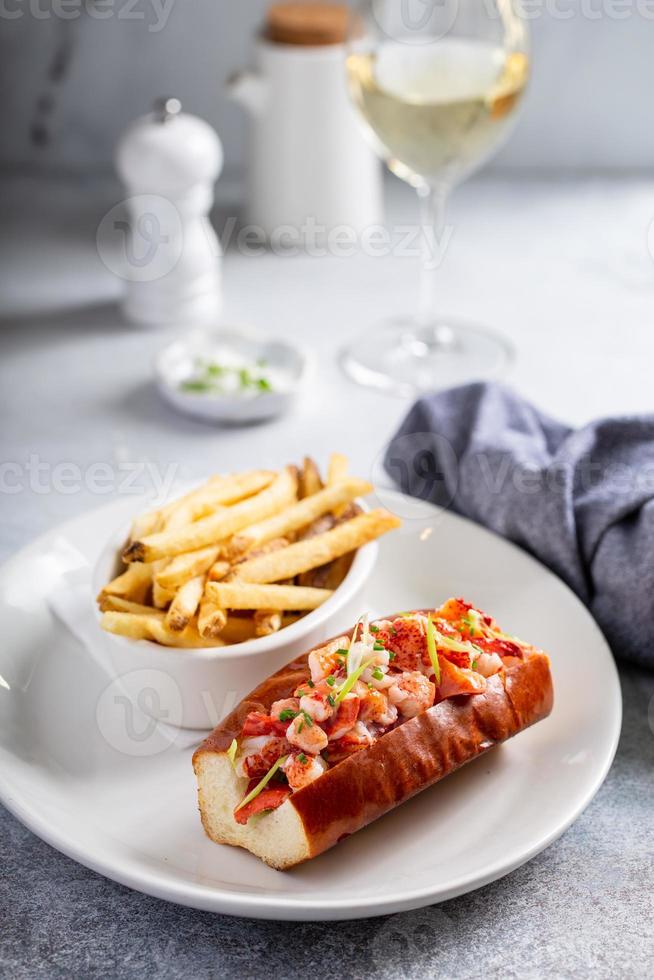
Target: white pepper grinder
169	161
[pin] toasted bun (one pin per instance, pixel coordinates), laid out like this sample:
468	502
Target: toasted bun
416	754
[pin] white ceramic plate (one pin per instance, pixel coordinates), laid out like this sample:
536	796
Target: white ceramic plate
96	781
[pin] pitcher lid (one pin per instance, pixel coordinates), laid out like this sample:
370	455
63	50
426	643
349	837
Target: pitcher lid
307	23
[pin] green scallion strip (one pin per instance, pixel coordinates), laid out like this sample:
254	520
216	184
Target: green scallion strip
431	647
351	680
231	752
252	795
461	646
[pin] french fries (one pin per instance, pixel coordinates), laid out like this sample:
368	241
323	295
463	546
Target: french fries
337	469
319	550
298	516
161	597
237	595
184	605
184	567
212	618
241	556
133	584
218	570
217	491
115	603
310	481
266	621
217	527
150	626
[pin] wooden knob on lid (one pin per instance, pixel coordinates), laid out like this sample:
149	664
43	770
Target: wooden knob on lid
307	23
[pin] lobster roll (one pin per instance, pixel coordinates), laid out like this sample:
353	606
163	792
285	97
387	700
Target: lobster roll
360	724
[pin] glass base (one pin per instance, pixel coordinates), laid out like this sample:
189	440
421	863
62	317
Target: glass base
404	358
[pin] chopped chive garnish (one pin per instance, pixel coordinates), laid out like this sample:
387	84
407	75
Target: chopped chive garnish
374	629
288	714
307	717
310	684
331	680
378	646
392	656
331	700
199	386
263	783
302	757
377	674
213	378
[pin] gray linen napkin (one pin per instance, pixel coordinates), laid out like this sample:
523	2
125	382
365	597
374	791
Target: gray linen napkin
582	501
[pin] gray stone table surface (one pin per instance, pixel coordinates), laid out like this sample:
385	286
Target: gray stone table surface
564	269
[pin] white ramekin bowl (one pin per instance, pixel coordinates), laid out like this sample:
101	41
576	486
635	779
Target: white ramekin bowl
196	688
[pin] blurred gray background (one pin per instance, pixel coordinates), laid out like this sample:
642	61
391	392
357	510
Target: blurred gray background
74	74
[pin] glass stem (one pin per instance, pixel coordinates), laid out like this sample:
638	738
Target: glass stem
432	199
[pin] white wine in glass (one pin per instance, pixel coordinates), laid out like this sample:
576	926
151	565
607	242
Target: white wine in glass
437	83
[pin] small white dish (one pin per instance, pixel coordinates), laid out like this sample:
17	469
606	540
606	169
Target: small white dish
115	791
286	367
195	688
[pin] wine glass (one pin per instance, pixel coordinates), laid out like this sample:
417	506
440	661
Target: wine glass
437	83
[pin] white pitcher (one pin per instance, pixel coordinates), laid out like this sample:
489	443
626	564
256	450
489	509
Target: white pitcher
310	167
